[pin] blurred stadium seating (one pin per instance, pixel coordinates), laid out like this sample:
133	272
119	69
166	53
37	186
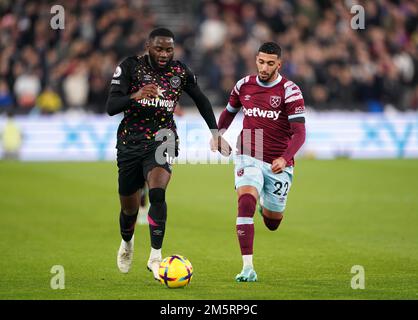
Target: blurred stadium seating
46	71
349	77
336	67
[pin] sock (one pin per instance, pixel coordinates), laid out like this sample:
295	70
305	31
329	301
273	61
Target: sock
143	198
272	224
155	254
247	260
127	225
245	223
128	244
157	216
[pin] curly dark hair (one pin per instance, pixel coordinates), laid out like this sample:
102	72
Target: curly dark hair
271	48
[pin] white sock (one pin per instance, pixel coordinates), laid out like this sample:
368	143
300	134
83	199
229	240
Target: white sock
129	244
247	260
155	253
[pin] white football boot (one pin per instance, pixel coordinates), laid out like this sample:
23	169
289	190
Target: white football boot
247	274
125	255
154	262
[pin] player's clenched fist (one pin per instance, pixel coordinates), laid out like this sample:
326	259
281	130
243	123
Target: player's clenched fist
148	91
278	165
218	143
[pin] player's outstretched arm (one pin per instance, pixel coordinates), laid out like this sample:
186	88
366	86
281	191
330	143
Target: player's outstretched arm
205	108
232	108
226	118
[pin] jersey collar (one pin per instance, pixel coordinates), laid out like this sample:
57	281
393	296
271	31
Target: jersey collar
271	84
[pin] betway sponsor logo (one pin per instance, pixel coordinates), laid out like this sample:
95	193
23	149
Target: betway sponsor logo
257	112
157	102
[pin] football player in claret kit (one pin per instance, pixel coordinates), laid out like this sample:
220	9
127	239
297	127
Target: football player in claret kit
146	89
273	131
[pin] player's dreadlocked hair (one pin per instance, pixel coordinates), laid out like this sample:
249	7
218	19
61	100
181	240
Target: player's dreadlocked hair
161	32
271	48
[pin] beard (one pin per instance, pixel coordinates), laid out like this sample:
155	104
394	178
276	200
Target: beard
268	78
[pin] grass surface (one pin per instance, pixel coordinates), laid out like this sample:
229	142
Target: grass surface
339	214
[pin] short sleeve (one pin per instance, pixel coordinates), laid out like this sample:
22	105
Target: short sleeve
234	102
294	102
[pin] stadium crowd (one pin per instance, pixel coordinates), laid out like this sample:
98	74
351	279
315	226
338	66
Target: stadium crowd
46	70
337	67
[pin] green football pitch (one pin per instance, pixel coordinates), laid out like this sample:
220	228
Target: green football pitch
339	214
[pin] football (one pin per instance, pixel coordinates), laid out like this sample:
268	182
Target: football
176	271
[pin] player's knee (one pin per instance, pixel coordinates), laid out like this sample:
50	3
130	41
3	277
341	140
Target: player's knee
246	205
156	196
129	204
272	224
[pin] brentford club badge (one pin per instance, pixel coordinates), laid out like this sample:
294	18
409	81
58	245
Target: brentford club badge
240	172
275	101
175	81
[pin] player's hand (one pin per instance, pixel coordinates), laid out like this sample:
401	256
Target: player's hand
278	165
148	91
218	143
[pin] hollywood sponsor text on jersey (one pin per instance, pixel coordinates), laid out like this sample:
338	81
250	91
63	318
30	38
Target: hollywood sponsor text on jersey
157	102
257	112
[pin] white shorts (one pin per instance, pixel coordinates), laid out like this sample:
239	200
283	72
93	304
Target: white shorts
272	188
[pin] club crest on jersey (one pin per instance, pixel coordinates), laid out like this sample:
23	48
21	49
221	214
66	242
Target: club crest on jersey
247	97
275	101
240	172
175	81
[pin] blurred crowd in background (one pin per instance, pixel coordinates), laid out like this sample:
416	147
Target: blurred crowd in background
335	66
46	71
